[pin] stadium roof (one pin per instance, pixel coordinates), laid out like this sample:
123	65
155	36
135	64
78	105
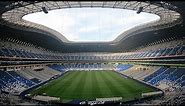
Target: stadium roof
12	13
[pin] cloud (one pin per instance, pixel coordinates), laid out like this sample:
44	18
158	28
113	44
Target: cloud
91	24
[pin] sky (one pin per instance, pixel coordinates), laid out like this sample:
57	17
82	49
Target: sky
91	24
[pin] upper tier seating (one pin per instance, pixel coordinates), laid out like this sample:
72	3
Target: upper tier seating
87	66
167	49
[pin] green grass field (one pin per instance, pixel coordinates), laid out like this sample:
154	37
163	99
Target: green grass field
89	85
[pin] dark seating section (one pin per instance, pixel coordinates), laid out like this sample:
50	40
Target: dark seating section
10	84
2	84
156	73
176	51
5	77
58	67
175	76
35	80
86	66
163	75
18	81
181	81
20	78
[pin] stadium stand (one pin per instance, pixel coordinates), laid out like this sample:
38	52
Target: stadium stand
178	49
156	61
20	80
161	77
122	67
58	67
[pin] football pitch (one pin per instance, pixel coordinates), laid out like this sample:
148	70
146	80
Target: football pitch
89	85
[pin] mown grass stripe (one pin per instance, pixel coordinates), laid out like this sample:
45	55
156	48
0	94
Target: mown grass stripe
62	85
103	87
66	85
51	85
121	82
130	84
131	88
111	85
76	88
87	85
95	85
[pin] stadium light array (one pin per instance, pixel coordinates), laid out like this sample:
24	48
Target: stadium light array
140	10
44	10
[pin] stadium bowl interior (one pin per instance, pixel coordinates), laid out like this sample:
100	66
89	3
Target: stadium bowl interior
143	65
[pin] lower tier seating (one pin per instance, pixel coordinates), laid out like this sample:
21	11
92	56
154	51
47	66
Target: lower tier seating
16	81
162	77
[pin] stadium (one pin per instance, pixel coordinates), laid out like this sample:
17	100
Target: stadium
142	65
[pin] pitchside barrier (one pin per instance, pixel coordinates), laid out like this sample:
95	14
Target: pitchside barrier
158	93
109	99
103	100
45	98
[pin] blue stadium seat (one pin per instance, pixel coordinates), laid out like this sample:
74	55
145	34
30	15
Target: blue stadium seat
122	67
21	79
58	67
154	74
